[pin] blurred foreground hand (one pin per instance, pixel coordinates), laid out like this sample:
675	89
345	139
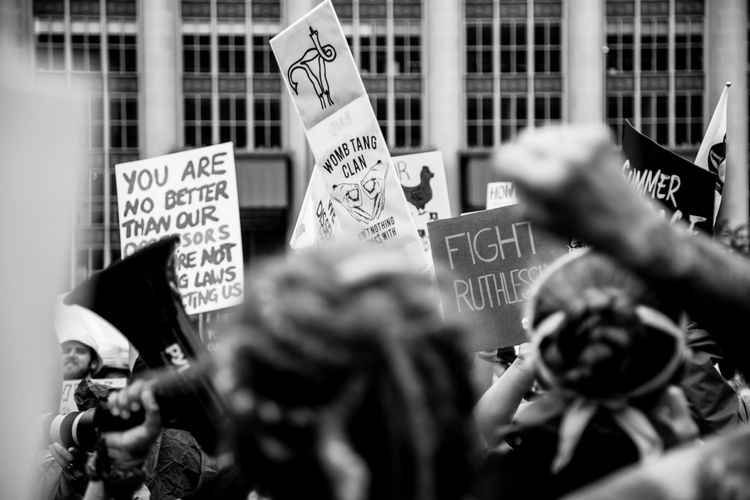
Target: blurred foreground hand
570	179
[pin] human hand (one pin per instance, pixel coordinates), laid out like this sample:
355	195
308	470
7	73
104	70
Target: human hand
673	412
131	446
72	462
569	179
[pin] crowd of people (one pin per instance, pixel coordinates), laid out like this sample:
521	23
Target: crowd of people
343	379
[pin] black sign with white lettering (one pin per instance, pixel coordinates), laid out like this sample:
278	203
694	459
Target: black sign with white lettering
494	256
686	190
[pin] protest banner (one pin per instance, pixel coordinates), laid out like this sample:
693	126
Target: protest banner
494	257
349	149
684	189
192	194
422	177
67	399
317	222
500	194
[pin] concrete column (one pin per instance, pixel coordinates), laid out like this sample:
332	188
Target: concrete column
16	39
443	70
294	132
585	60
160	87
727	61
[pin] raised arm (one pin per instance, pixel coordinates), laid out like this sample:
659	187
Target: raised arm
570	180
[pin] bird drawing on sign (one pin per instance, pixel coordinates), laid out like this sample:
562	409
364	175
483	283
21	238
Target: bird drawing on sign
421	194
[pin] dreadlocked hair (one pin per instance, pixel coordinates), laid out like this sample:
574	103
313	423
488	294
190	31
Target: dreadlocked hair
314	325
602	349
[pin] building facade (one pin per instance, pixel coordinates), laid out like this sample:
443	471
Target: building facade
461	76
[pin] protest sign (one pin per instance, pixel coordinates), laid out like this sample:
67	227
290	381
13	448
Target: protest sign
422	177
317	222
192	194
495	256
67	399
344	136
686	190
500	194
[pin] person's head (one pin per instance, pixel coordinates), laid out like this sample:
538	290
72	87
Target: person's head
80	358
343	362
602	333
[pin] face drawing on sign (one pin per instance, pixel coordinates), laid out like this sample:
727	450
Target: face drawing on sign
320	54
364	200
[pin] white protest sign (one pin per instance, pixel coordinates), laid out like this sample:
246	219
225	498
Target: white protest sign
192	194
67	400
344	136
501	194
317	222
422	177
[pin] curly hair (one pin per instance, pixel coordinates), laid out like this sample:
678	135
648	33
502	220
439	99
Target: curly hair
361	331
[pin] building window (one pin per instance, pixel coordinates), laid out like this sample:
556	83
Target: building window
547	108
50	51
122	53
513	47
408	121
513	113
263	60
654	44
233	120
547	47
373	50
688	44
655	116
123	118
380	106
619	109
407	48
620	46
198	120
267	124
479	120
688	119
196	53
86	50
478	47
232	54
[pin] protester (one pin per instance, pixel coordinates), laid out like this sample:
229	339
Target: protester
569	178
80	356
608	350
342	381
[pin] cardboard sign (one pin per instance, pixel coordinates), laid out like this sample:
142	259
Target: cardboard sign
495	256
422	177
349	149
192	194
685	190
501	194
67	400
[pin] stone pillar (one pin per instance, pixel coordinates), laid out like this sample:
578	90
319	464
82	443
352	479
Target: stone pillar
443	69
727	61
295	139
160	86
16	38
585	79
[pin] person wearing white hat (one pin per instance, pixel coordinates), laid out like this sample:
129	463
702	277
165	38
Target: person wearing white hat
80	356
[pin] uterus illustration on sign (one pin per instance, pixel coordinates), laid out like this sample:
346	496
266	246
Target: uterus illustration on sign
364	200
313	63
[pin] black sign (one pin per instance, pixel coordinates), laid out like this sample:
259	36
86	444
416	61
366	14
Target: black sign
685	189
